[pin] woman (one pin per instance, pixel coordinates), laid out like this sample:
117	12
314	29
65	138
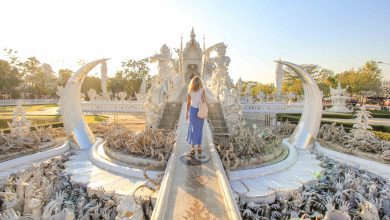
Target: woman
196	94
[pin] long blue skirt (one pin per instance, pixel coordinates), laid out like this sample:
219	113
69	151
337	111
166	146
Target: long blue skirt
195	127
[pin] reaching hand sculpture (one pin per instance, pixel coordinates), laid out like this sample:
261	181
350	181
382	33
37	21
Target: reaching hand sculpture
70	102
307	129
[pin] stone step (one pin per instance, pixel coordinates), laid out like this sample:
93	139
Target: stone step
172	108
225	130
212	105
219	117
216	123
169	117
167	128
220	127
168	121
224	134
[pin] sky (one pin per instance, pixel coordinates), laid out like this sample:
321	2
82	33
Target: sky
338	35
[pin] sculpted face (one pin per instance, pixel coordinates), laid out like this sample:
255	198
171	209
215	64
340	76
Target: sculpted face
220	49
165	50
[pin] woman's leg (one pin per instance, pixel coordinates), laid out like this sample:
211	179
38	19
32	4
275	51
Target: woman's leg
199	147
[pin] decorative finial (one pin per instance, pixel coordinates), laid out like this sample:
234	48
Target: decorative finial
181	43
193	34
204	43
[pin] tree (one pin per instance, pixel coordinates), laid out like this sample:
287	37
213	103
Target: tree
35	79
324	78
91	82
117	83
268	89
64	75
10	78
129	77
366	81
257	87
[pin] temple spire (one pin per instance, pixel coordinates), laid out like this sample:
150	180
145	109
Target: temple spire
181	43
204	43
193	35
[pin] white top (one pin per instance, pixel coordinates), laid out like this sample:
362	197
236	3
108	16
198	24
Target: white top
196	98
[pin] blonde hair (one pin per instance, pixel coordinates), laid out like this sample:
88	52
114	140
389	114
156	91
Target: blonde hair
195	84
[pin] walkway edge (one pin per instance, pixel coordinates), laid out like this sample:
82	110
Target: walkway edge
164	191
232	208
270	169
98	158
31	158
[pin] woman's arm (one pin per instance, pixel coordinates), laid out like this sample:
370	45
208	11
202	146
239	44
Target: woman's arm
188	105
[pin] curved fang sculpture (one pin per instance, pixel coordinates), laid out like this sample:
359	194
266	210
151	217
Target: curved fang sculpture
70	103
306	132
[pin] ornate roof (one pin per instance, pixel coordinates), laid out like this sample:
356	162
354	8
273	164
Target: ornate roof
192	47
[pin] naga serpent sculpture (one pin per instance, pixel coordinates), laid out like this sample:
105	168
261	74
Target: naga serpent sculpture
70	102
307	129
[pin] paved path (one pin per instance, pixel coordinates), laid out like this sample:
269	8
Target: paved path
193	189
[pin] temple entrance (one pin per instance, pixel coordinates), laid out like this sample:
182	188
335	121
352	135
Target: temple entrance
192	70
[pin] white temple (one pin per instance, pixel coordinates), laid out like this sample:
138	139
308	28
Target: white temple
339	98
193	60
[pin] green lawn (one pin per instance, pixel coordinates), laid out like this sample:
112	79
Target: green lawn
27	108
50	119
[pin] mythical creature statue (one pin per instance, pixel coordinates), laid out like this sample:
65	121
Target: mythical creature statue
220	77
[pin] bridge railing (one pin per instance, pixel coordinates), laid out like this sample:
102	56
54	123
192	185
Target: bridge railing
273	107
113	106
5	102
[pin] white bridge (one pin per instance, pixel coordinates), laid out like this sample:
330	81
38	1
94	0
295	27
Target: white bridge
138	106
273	107
6	102
102	106
126	106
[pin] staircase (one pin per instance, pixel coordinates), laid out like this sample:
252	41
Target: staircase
217	120
194	188
170	116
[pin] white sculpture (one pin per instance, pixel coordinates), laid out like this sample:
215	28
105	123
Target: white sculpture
103	70
290	97
59	90
339	98
260	96
92	94
359	141
239	86
155	101
279	73
122	96
233	111
70	102
309	124
19	126
221	62
248	98
128	209
142	91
